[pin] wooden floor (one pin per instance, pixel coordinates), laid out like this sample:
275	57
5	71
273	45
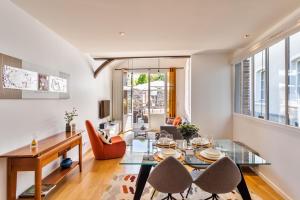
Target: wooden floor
97	175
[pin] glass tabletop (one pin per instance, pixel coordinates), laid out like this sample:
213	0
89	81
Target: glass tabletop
141	152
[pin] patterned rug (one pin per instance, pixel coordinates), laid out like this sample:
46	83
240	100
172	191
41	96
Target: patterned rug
123	186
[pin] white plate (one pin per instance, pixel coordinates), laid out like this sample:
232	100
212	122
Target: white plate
212	152
210	156
161	155
200	141
166	143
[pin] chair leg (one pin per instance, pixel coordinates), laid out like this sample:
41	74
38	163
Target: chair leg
181	194
166	198
153	194
171	197
211	197
187	194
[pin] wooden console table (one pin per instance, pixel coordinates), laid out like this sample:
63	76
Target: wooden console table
49	149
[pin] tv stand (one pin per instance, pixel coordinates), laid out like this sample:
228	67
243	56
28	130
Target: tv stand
113	127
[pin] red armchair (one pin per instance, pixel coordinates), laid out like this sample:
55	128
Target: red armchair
104	151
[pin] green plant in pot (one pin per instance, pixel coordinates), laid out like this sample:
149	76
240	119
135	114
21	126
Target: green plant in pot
188	131
69	116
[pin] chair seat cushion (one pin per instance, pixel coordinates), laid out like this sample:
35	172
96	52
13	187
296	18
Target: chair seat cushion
116	139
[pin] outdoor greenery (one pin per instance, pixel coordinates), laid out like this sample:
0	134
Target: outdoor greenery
143	78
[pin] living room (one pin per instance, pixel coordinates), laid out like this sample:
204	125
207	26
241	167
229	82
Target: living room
130	64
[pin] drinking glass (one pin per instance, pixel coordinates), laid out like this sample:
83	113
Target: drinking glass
211	141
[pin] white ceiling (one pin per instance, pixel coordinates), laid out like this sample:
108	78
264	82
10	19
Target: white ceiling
158	27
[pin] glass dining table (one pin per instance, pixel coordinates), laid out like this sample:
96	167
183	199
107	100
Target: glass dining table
141	152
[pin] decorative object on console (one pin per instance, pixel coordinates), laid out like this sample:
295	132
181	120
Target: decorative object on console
34	143
73	127
188	131
30	192
69	116
66	163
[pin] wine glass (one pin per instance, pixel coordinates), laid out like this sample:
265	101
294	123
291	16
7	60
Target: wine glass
211	141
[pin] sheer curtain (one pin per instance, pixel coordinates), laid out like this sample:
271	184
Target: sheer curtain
188	90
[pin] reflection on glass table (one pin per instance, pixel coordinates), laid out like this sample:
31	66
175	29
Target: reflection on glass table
141	152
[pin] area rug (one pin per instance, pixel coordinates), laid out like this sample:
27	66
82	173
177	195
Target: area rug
122	187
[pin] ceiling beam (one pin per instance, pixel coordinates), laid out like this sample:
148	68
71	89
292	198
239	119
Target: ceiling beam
111	59
102	66
136	57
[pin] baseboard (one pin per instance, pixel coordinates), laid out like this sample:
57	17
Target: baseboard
272	185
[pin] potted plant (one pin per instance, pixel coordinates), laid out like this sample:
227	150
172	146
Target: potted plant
188	131
69	116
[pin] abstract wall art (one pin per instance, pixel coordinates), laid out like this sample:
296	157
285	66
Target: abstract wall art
16	78
24	80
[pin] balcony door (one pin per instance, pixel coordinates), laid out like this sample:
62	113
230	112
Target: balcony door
144	99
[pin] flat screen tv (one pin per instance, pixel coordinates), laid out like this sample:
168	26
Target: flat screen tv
104	108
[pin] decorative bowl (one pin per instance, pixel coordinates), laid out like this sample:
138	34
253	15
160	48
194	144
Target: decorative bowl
66	163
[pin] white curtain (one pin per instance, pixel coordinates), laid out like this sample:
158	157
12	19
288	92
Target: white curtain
188	90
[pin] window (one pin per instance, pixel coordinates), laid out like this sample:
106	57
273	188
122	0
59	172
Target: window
246	101
237	88
267	85
259	87
277	82
294	80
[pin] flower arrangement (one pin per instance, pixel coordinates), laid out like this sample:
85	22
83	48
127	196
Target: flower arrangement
69	116
188	130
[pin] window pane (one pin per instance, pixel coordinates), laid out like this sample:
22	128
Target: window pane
259	84
237	88
246	101
277	82
294	80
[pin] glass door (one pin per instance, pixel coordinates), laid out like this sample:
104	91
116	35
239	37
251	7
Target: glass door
127	100
140	99
157	99
144	99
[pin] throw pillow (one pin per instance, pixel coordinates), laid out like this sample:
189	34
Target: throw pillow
105	137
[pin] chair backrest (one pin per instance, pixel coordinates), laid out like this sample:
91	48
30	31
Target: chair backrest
96	142
220	177
173	131
170	176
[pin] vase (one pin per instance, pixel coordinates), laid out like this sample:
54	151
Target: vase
68	128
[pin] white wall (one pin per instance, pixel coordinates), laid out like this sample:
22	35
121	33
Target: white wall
211	94
278	144
23	37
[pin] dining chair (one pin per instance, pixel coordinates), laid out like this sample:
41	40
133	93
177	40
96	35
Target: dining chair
220	177
170	176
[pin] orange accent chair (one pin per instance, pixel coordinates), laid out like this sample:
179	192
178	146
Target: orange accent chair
177	121
104	151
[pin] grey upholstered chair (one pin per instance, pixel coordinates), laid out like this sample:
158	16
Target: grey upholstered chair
170	176
173	131
220	177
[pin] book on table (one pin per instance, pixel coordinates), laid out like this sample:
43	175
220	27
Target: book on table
30	192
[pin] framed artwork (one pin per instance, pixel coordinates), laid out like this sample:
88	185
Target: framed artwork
16	78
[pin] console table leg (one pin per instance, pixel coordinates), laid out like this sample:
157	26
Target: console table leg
80	155
38	180
11	180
